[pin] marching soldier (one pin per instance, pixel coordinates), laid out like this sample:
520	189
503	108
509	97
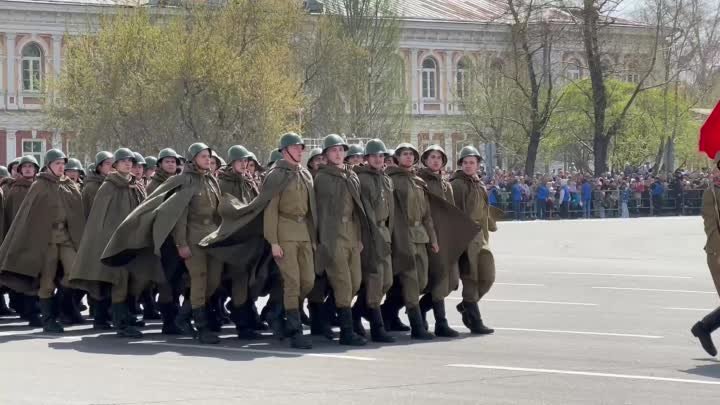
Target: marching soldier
235	181
275	155
150	167
316	159
216	164
442	279
390	159
185	209
167	166
74	171
51	216
413	232
287	205
118	196
376	192
477	265
138	170
95	178
341	219
711	218
354	155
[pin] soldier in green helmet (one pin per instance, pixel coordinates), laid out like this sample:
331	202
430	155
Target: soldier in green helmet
111	287
184	208
390	160
74	170
95	178
442	279
477	269
51	216
216	164
287	204
376	192
4	173
355	155
316	159
138	170
235	181
150	167
167	165
5	182
275	156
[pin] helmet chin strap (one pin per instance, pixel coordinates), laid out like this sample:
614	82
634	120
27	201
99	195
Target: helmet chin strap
291	156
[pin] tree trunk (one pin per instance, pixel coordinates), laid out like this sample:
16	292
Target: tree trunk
532	152
601	145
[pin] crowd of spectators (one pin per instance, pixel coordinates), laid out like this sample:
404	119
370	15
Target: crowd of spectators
634	192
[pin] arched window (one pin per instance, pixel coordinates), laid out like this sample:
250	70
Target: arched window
495	78
32	67
429	82
461	82
632	74
574	70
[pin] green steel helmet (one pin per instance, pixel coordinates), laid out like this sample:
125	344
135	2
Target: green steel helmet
124	153
4	172
13	163
101	157
289	139
29	159
409	146
274	157
91	167
313	153
432	148
468	151
376	147
196	148
238	152
139	159
220	161
355	150
53	155
150	162
74	164
390	152
258	166
334	140
167	153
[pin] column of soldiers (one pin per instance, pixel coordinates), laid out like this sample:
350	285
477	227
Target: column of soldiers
191	238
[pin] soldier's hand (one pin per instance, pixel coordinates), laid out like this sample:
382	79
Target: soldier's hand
184	252
435	248
277	251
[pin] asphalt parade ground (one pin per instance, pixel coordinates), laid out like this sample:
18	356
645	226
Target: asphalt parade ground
585	312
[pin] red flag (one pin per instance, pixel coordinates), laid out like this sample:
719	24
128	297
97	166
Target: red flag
710	134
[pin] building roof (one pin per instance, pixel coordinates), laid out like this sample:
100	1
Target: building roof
453	10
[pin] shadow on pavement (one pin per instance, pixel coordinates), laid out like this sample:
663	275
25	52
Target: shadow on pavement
706	370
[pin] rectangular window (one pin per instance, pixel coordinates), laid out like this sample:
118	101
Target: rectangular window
35	148
428	84
31	74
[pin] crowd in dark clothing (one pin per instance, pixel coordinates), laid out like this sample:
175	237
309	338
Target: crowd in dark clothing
576	195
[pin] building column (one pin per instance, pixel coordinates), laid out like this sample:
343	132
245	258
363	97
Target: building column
11	78
10	145
414	81
449	68
56	140
57	52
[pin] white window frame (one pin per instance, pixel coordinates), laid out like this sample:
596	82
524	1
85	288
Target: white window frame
39	156
461	80
574	70
34	68
429	80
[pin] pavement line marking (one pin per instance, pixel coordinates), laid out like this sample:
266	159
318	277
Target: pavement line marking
654	289
689	309
584	304
522	284
573	273
586	373
577	332
239	349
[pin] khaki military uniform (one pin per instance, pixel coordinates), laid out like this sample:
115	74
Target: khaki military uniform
199	219
478	273
422	233
711	219
60	250
288	223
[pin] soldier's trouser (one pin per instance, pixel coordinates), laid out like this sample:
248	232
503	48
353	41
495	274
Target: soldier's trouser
714	266
240	286
441	281
414	280
127	285
345	278
205	274
57	253
319	291
378	284
481	274
298	272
